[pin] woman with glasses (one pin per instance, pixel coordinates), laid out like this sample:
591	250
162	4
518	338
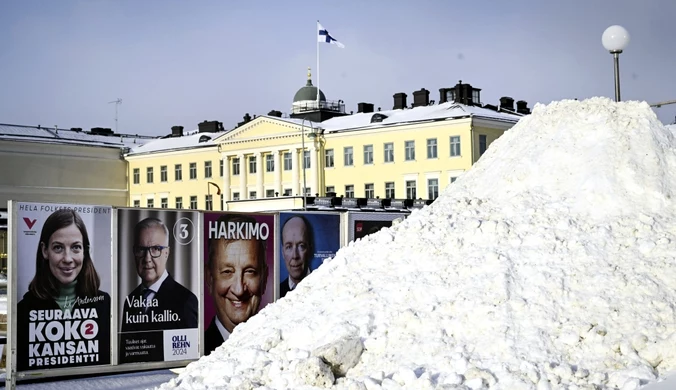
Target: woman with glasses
64	294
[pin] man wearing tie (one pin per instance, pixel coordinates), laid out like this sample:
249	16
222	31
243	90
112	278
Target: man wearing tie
159	302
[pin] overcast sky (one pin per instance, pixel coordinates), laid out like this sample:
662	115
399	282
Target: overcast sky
182	62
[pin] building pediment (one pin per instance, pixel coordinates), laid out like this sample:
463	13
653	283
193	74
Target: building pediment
262	127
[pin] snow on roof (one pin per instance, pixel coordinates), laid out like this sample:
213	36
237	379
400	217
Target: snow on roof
66	136
442	111
194	140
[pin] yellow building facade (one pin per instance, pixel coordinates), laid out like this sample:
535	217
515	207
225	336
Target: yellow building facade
265	162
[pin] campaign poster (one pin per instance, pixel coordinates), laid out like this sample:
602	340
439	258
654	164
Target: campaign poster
239	261
63	262
158	257
361	224
304	241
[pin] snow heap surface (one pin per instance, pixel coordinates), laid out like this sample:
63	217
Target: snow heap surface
551	264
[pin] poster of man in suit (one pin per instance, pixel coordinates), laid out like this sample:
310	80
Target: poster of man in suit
158	270
238	271
305	241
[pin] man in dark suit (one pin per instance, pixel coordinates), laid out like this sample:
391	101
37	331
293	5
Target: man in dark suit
236	274
297	250
159	302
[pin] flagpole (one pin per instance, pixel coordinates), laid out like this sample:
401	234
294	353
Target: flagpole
317	39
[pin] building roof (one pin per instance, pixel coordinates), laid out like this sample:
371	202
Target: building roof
65	136
444	111
192	140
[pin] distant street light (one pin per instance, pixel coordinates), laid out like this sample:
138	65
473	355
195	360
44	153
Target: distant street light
615	39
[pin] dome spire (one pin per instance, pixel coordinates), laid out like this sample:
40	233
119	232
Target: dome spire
309	77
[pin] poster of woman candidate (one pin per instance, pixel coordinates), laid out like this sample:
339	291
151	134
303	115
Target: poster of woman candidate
361	224
63	263
158	271
305	240
239	258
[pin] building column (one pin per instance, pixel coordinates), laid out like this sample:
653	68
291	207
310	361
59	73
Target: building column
243	193
295	175
278	172
314	171
260	189
226	179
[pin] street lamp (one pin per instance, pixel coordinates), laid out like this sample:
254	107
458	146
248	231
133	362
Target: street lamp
311	135
615	39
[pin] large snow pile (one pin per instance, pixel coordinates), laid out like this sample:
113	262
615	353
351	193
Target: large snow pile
550	265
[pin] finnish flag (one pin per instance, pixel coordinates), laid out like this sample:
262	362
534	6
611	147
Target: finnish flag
324	36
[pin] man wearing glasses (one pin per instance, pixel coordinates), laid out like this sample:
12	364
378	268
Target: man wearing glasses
159	302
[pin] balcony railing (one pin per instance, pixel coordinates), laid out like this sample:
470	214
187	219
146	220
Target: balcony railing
328	105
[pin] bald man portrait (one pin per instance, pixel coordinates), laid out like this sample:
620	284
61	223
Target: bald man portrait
297	251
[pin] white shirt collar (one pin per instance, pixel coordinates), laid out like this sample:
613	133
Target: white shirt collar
155	287
292	285
224	332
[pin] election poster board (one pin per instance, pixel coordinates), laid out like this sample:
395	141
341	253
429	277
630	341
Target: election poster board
239	256
361	224
158	272
61	267
304	241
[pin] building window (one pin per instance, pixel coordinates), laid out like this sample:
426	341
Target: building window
476	97
453	179
328	158
163	174
252	194
410	189
308	191
482	144
330	189
306	159
368	154
207	169
137	203
348	157
193	170
150	203
164	203
269	163
455	146
349	191
235	196
389	190
178	172
193	202
252	164
409	148
287	192
222	202
432	148
389	152
269	193
432	188
149	174
220	167
208	202
369	191
179	202
235	166
288	165
137	176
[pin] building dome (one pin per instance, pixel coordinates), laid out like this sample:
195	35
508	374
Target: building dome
308	92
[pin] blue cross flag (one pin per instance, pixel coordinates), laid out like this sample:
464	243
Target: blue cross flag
324	36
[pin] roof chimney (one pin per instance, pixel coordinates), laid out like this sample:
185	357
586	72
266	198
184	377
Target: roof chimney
364	107
522	107
275	113
421	98
177	131
399	101
507	103
210	127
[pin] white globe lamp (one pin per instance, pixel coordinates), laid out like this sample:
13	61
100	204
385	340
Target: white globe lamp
615	39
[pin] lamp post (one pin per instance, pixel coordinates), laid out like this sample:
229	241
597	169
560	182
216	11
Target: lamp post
312	133
615	39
